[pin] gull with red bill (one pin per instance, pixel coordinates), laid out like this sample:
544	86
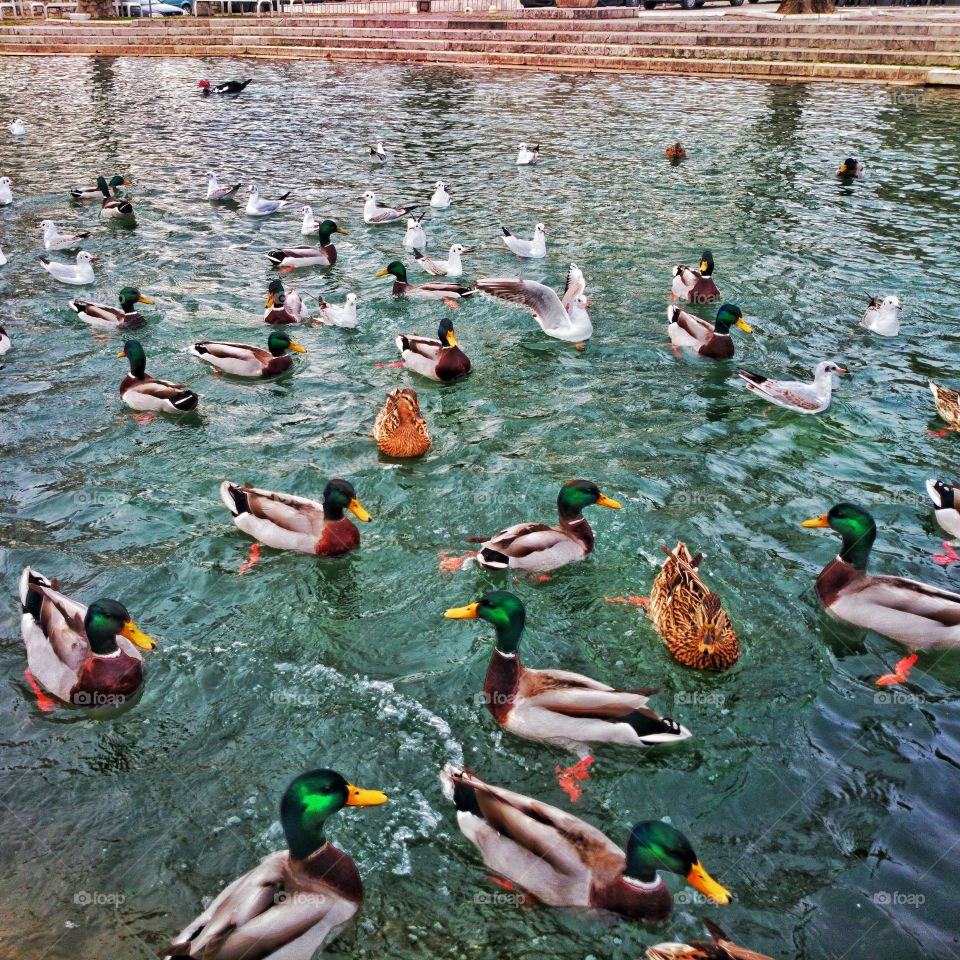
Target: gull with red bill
77	274
793	394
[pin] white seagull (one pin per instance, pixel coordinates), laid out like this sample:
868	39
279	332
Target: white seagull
378	153
53	239
18	128
882	316
339	314
6	193
3	259
565	318
5	343
77	274
256	207
792	394
215	191
527	157
451	267
535	248
440	199
309	224
415	238
377	215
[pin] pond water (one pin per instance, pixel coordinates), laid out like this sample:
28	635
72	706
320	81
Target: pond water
828	807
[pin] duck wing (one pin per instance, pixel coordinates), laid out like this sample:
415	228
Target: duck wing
285	510
541	300
98	312
425	347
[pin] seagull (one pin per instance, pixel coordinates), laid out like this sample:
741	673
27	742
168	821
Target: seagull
53	239
451	267
3	258
377	215
215	191
440	199
563	318
378	152
883	316
262	208
415	238
6	193
310	224
18	128
77	274
5	343
535	248
228	86
792	394
527	157
339	314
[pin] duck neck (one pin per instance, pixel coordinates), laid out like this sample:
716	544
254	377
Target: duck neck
857	546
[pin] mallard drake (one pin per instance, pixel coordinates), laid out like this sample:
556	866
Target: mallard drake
719	947
142	392
675	152
244	360
538	547
283	306
947	402
5	342
440	359
565	862
563	318
695	286
323	256
882	316
339	314
451	267
915	614
258	206
850	168
113	206
287	522
77	274
296	900
565	709
400	430
535	249
228	86
792	394
689	616
95	193
708	340
432	290
126	317
946	498
215	192
526	157
377	216
53	239
86	656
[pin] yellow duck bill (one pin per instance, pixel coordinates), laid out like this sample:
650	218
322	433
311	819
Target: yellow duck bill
356	797
468	612
137	637
356	508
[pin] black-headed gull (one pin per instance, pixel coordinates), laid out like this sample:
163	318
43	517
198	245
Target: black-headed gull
77	274
530	249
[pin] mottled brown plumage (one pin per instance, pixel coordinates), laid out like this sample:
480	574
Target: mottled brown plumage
948	403
399	429
691	619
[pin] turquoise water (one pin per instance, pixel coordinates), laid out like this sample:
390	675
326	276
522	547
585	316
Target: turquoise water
830	811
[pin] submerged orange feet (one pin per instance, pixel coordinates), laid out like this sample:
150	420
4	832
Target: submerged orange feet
568	778
636	601
945	559
449	564
900	672
252	559
45	704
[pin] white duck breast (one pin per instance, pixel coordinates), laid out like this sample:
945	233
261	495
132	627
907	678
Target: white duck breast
451	267
792	394
946	499
257	206
6	191
53	239
415	238
380	215
5	342
440	199
883	316
340	315
77	274
532	249
573	325
216	192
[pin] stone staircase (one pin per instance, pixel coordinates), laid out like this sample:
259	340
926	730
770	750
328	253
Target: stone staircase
892	47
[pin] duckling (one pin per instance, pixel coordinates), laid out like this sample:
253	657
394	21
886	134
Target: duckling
400	430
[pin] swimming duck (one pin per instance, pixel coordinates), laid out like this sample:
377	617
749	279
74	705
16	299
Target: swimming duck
86	656
125	317
287	522
53	239
565	862
5	342
946	498
440	198
689	616
381	215
243	360
675	152
695	286
719	947
113	207
919	616
538	547
95	193
432	290
415	237
564	709
400	430
571	323
309	225
339	314
947	402
324	255
850	168
882	316
713	341
140	391
283	306
451	267
216	192
296	900
257	206
534	249
378	152
228	86
440	359
6	191
527	157
792	394
76	274
18	128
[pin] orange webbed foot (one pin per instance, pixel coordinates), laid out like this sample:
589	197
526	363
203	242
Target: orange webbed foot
900	672
569	778
251	560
